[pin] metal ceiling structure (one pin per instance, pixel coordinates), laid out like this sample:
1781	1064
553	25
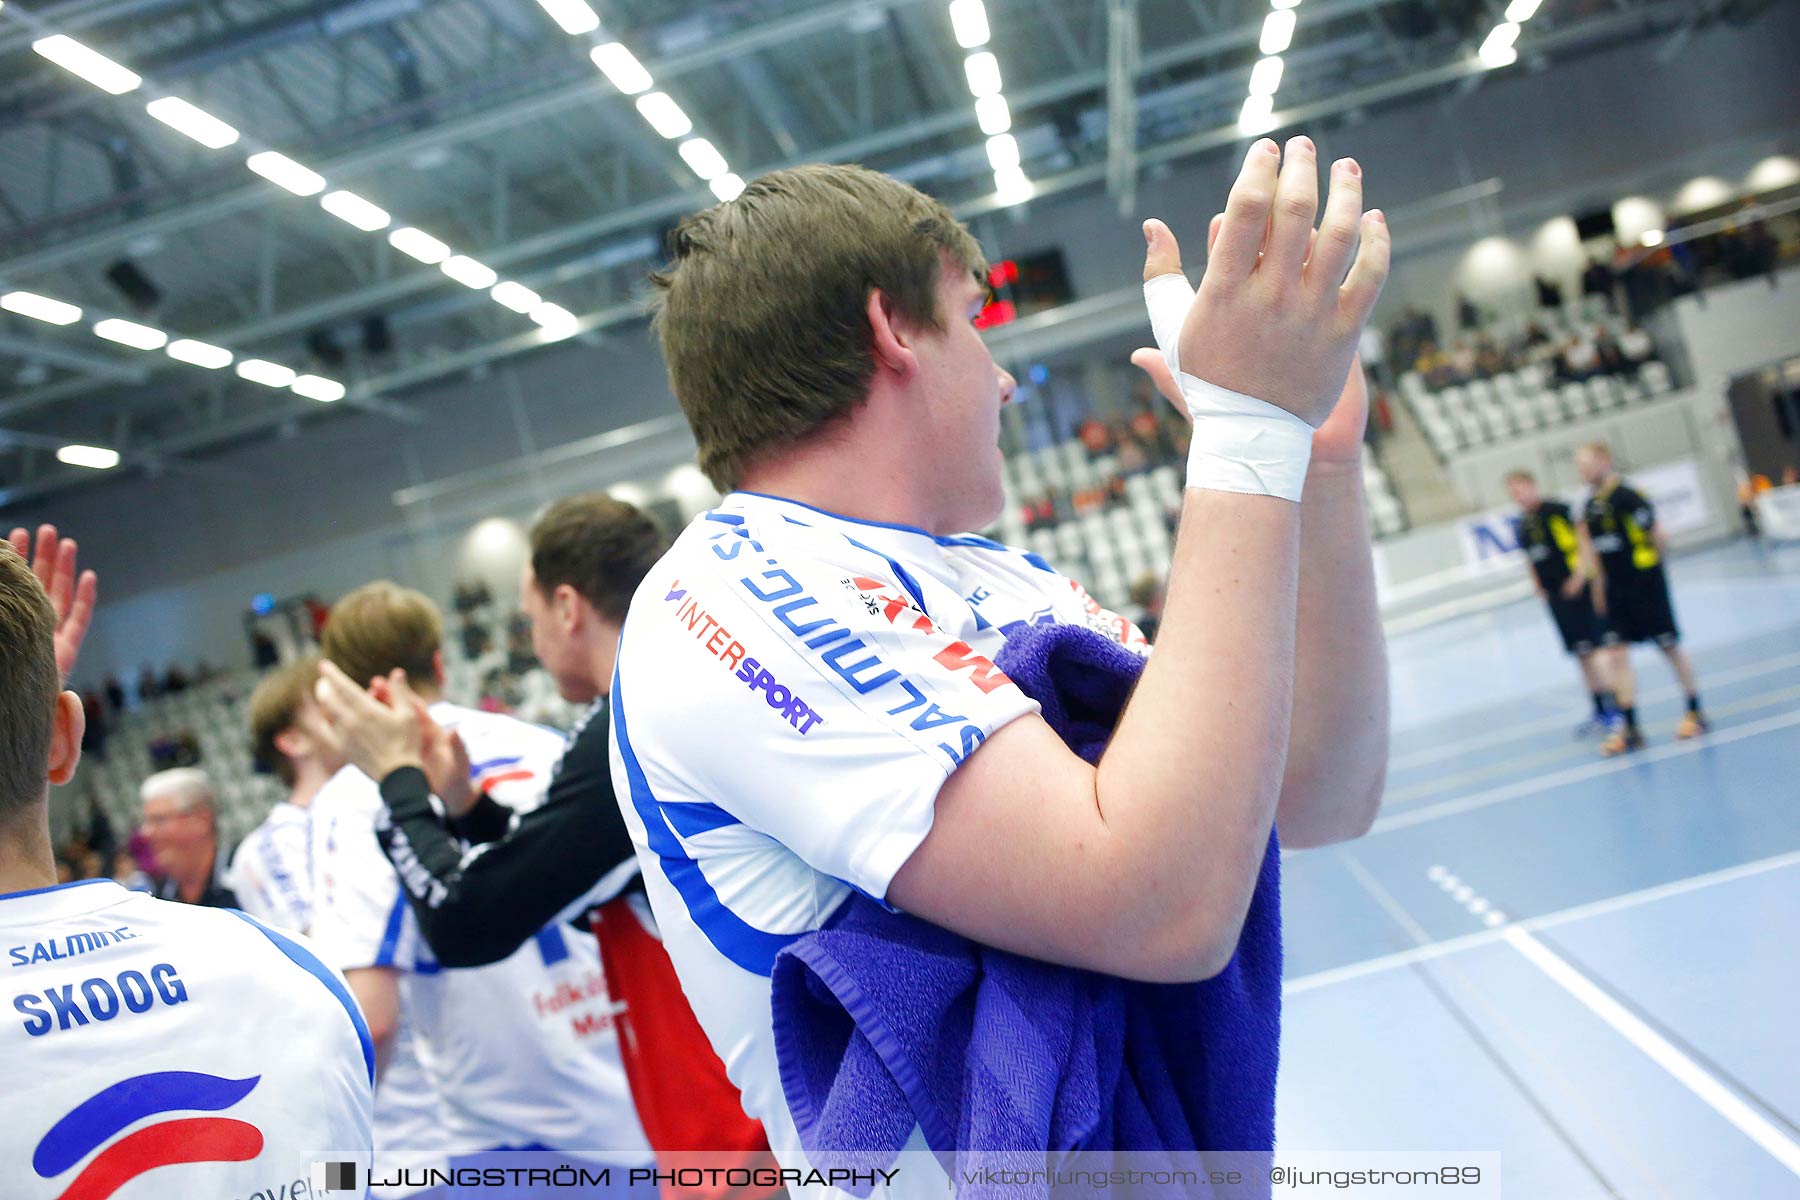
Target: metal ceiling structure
485	124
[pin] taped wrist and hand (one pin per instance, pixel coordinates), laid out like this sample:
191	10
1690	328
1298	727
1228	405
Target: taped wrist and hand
1241	444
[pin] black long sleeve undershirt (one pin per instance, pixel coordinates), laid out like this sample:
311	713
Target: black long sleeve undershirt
482	885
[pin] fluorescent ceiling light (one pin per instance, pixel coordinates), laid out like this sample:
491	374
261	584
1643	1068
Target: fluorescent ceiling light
557	322
516	296
1003	151
1284	3
706	161
1497	50
983	70
468	272
41	308
97	457
621	68
1012	187
1257	116
280	169
317	387
994	115
198	124
665	116
1520	11
200	354
416	243
348	206
261	370
574	16
130	333
1654	237
91	65
969	19
1265	77
1278	31
727	187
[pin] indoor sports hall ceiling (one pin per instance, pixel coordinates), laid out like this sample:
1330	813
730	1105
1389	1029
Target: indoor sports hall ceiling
473	180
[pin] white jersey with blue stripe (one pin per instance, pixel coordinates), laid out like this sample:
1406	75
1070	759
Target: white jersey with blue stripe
152	1049
519	1053
792	690
271	873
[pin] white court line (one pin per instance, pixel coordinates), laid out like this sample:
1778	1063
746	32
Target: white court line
1498	737
1593	770
1664	1053
1584	752
1596	908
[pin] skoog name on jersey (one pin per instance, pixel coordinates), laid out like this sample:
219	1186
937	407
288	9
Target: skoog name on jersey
68	946
99	999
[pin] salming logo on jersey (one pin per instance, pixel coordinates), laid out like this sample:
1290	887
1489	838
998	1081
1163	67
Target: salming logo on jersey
99	1119
53	949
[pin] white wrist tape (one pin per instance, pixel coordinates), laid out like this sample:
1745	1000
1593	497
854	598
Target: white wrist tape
1241	444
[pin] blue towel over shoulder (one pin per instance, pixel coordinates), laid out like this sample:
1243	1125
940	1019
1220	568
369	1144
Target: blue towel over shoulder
883	1022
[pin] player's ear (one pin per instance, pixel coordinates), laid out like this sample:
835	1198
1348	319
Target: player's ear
68	723
570	607
891	334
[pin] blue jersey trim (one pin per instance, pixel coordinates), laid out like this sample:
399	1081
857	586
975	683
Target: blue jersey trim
693	818
390	936
750	948
304	959
55	887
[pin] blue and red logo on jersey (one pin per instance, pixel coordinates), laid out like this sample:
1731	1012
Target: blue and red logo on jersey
96	1121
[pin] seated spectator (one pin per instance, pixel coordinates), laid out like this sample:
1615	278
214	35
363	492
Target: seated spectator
1489	362
148	688
93	738
1611	357
1147	594
1637	346
1535	336
1433	367
1462	361
181	821
263	651
1095	436
115	694
1580	359
475	639
175	680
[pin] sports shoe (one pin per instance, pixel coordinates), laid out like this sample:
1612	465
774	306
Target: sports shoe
1592	727
1622	741
1692	726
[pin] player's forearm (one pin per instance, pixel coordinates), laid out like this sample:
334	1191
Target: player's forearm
1338	743
1191	778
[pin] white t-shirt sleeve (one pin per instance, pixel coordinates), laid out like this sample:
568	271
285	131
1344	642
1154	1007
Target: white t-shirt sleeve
812	700
360	917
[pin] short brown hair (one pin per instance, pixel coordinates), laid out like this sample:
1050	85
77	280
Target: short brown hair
381	626
274	707
599	546
761	311
29	682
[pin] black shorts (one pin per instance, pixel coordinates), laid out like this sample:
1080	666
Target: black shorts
1582	630
1638	609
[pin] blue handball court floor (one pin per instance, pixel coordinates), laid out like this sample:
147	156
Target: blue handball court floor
1590	966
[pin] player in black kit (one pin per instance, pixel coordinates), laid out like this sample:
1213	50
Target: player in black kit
1623	546
1546	532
